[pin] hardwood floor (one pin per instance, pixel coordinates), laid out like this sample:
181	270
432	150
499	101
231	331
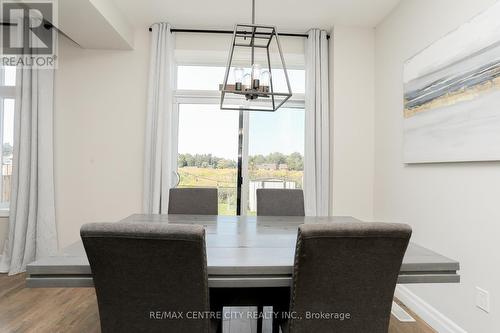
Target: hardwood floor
75	310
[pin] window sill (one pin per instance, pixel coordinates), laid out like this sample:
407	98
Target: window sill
4	212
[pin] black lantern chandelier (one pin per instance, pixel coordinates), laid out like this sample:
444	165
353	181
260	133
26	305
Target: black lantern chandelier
252	88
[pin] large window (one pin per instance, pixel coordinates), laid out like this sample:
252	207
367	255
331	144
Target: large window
272	142
7	93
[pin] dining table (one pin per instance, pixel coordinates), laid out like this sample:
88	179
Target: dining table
242	252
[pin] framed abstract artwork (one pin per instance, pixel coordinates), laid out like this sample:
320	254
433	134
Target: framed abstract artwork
452	95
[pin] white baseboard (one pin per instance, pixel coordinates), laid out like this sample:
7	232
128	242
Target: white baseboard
427	312
400	314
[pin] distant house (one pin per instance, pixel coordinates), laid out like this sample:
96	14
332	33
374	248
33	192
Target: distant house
283	166
266	166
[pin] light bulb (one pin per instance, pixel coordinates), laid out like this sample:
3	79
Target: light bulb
247	81
256	76
238	77
265	80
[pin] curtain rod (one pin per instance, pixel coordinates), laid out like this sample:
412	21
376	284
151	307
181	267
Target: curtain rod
209	31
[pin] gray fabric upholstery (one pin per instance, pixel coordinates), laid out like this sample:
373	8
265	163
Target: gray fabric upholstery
349	268
280	202
141	268
193	201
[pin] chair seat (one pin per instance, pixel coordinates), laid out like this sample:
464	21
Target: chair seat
280	202
368	257
157	254
193	201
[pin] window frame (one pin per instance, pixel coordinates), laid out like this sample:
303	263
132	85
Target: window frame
187	96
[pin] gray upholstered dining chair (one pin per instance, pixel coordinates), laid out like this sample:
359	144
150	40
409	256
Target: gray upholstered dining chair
347	269
280	202
193	201
139	272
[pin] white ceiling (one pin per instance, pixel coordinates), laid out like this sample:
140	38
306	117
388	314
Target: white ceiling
287	15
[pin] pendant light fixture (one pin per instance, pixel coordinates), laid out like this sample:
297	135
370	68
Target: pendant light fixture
249	84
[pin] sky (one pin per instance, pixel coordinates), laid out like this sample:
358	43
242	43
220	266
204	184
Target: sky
205	129
10	76
8	119
280	131
8	107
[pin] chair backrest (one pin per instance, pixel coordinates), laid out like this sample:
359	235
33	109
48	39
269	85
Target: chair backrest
193	201
280	202
143	272
349	271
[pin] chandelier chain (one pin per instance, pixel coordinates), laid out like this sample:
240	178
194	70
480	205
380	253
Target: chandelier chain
253	11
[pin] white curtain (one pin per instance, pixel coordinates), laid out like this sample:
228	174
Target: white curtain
317	126
160	160
32	225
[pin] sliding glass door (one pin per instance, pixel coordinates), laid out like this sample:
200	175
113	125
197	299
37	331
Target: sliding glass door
208	151
236	152
275	152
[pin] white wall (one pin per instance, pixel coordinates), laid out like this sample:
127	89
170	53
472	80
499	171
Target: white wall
100	102
453	208
352	98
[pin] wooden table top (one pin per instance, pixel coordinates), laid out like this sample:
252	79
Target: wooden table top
242	251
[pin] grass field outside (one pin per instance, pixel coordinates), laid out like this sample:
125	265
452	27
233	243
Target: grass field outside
224	180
